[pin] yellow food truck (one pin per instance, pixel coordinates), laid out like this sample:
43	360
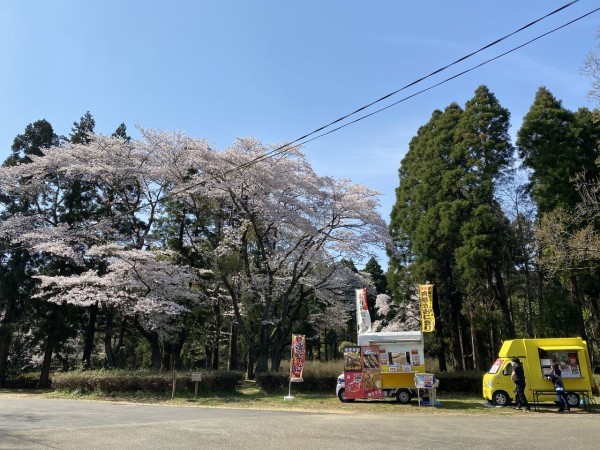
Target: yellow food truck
537	357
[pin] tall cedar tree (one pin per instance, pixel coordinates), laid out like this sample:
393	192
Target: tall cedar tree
15	281
483	148
425	222
557	144
446	221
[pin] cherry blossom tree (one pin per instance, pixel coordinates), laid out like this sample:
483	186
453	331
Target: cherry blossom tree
258	225
125	184
283	223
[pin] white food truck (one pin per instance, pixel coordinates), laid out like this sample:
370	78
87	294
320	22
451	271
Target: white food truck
382	364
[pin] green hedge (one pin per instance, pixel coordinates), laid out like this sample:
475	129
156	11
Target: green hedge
463	382
277	382
124	381
228	381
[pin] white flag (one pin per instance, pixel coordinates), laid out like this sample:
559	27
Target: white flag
363	318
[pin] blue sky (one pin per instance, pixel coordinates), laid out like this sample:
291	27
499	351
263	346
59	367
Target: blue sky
277	70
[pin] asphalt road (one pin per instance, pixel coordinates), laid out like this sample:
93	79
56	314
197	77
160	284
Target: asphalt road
35	423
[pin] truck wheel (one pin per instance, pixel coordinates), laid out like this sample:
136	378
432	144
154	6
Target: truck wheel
403	396
572	399
500	398
343	398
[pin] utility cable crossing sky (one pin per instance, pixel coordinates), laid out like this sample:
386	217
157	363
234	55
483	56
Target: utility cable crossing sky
280	150
302	140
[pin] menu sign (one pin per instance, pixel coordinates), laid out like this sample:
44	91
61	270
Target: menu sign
362	372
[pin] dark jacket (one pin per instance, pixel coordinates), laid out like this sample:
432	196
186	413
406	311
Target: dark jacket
519	375
557	381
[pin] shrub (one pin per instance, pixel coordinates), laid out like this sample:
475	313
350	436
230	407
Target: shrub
317	376
24	381
218	380
271	382
465	382
128	381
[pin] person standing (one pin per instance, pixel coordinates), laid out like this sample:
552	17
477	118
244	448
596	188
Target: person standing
518	377
559	388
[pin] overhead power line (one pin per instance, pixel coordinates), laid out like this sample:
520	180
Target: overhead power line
435	72
296	143
290	145
282	150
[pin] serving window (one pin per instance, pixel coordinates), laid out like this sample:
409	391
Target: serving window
567	359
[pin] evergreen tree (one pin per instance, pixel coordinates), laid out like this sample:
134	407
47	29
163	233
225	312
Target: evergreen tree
121	132
485	152
81	131
446	224
559	146
425	222
378	276
36	137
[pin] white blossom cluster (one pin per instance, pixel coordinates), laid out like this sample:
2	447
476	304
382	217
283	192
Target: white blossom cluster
278	225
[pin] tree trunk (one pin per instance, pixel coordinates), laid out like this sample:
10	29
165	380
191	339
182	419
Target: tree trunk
576	299
456	331
208	355
177	347
215	351
6	333
110	361
64	361
218	322
88	338
44	380
262	362
232	363
250	366
276	354
439	332
262	357
117	348
153	340
500	294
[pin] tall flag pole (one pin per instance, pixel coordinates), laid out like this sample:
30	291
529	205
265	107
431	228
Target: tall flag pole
426	306
297	356
363	318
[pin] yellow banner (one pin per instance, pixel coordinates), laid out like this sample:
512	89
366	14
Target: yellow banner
426	304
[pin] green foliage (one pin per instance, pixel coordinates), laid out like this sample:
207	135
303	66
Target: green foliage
556	144
82	129
446	225
271	382
36	137
372	267
463	382
344	344
133	381
318	377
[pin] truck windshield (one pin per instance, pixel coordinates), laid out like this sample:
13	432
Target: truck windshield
496	366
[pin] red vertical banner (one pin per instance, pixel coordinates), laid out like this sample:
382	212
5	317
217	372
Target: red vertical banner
297	359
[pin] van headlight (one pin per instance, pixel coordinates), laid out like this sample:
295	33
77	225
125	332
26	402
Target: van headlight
490	384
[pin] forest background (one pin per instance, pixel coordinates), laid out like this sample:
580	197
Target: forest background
164	252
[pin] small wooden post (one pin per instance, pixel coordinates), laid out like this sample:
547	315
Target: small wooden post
174	384
196	377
